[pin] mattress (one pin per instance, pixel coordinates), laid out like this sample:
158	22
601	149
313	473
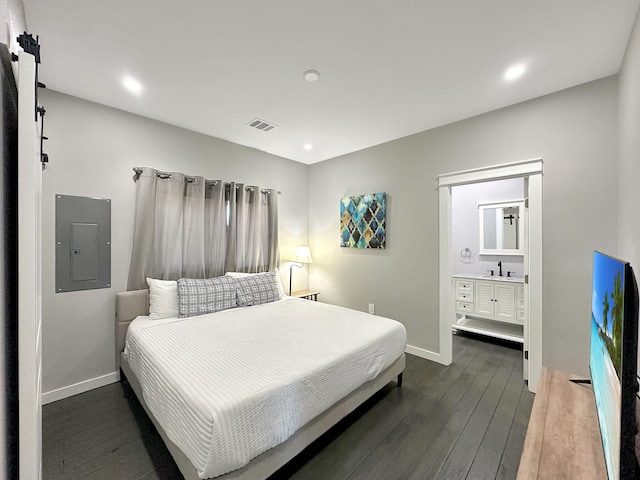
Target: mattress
230	385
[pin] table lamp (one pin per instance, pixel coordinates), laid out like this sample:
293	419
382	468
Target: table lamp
301	256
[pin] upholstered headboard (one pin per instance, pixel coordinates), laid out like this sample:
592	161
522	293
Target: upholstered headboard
128	306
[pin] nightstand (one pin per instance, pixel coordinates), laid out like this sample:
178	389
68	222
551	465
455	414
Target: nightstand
308	294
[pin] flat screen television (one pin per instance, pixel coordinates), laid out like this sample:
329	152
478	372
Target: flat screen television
613	362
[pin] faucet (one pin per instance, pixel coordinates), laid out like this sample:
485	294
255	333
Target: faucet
500	267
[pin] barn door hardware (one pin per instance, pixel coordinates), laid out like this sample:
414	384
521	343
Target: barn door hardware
44	158
31	45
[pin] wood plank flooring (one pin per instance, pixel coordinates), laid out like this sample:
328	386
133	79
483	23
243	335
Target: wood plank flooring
463	421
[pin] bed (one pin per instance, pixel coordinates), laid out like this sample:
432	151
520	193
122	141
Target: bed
291	370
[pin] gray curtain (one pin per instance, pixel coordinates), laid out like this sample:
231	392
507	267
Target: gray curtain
215	239
166	242
192	227
193	231
252	240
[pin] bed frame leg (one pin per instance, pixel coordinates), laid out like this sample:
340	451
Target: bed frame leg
400	379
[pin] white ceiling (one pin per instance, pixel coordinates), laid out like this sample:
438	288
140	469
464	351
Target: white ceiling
388	68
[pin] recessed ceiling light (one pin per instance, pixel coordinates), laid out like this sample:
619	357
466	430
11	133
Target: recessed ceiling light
307	147
514	72
132	85
311	75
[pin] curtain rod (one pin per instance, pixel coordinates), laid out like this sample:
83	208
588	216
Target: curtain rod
188	179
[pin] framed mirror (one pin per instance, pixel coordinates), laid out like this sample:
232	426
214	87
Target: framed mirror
501	228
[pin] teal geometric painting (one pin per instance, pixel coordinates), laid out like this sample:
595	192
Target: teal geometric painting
362	221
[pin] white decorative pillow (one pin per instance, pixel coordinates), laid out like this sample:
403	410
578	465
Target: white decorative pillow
197	296
257	289
243	275
163	298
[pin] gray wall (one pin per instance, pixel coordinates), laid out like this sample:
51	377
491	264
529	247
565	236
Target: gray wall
574	131
92	150
465	226
629	153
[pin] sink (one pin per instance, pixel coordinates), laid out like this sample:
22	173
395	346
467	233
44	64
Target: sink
502	279
495	278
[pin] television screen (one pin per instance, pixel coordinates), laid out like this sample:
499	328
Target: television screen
614	317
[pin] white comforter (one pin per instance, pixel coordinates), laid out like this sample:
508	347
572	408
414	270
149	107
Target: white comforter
230	385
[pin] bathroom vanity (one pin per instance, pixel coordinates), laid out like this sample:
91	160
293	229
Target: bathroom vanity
490	305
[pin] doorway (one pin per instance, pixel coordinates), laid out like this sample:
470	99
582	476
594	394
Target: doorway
531	171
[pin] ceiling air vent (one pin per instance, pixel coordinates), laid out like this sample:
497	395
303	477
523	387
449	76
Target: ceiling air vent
262	125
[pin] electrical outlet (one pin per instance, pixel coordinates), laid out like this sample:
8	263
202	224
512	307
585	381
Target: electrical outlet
372	309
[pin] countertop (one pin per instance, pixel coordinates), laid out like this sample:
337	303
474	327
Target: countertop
493	278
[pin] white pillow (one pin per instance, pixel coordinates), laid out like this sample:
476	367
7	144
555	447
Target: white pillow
163	298
243	274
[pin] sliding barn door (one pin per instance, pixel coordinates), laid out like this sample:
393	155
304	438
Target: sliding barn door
9	274
29	276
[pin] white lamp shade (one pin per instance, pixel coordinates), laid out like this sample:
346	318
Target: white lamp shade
303	255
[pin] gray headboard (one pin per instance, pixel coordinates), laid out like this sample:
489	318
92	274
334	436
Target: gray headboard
128	306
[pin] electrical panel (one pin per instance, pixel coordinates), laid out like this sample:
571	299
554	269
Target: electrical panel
83	243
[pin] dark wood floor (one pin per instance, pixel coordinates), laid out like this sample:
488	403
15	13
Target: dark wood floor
464	421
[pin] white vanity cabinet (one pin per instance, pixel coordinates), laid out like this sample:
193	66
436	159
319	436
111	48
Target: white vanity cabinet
490	307
496	301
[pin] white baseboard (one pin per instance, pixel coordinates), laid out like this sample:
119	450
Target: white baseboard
81	387
422	353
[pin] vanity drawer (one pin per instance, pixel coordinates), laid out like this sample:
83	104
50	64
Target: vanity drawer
519	303
463	307
464	296
464	286
520	292
520	315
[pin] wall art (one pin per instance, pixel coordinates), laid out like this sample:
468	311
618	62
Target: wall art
362	221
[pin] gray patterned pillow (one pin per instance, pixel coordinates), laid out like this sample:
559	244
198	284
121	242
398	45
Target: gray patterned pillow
197	296
257	289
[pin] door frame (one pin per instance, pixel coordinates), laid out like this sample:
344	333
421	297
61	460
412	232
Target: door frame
532	171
